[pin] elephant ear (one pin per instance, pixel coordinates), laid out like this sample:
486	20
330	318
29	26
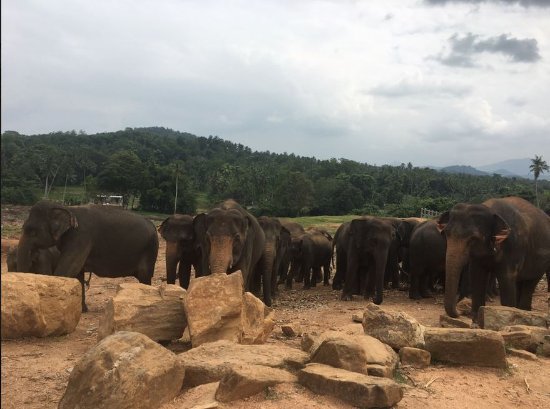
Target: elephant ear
501	230
60	221
199	226
442	221
161	229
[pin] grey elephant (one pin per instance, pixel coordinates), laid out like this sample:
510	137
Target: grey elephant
109	241
310	252
295	229
182	250
368	245
230	239
427	248
509	237
277	239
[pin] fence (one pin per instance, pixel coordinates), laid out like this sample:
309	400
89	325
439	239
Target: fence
428	214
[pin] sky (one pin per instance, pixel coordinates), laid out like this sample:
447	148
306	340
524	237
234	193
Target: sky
431	82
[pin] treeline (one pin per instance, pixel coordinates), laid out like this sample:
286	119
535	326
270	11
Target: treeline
146	163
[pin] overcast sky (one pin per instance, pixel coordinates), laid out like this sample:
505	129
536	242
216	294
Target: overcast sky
432	82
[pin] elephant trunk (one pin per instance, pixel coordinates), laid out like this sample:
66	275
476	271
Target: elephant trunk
380	261
171	261
456	259
268	271
24	255
221	255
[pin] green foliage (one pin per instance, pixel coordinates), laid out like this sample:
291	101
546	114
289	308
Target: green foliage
143	164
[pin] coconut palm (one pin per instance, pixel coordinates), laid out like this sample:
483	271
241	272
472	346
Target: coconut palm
538	166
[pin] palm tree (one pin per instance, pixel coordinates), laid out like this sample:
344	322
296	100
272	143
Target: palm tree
538	166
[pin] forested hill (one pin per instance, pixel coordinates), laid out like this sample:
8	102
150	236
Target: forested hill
144	163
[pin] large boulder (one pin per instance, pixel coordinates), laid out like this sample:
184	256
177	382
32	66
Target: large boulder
356	353
357	389
498	317
212	361
475	347
397	329
217	308
244	381
125	370
154	311
38	305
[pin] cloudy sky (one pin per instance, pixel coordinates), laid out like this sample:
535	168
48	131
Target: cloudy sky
432	82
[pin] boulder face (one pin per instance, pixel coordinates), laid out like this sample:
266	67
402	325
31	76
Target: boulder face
415	357
475	347
125	370
154	311
217	309
35	305
242	382
498	317
356	353
212	361
396	329
357	389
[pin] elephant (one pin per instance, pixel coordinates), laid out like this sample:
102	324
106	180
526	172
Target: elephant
106	240
43	260
426	261
339	247
404	231
230	239
296	230
310	252
508	237
391	274
276	246
369	243
181	249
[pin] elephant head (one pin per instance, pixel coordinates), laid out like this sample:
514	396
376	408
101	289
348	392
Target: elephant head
223	233
46	224
474	233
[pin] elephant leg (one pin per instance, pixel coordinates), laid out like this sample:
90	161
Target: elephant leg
350	282
425	284
525	292
508	290
326	274
83	285
184	273
294	266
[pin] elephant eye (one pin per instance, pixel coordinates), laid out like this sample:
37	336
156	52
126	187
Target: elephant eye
237	237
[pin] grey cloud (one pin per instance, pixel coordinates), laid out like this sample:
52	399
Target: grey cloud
524	3
464	48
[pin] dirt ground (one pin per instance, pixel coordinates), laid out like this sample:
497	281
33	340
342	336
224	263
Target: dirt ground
35	371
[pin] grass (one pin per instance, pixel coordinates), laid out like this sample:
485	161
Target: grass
330	223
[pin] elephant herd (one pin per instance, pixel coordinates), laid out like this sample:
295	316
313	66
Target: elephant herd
466	248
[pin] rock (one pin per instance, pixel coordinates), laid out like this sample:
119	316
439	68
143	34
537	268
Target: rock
464	307
537	333
216	308
257	320
356	353
415	357
522	354
241	382
498	317
213	306
154	311
199	397
35	305
357	389
308	340
544	348
357	318
519	340
396	329
476	347
448	322
291	330
125	370
210	362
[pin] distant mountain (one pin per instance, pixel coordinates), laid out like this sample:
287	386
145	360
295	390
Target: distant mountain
513	167
467	170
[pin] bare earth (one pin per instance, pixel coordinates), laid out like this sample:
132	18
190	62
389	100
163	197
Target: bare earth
35	371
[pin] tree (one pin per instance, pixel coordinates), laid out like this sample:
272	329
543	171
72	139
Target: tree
538	166
123	173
